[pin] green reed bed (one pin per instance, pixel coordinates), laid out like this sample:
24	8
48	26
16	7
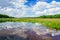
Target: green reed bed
48	22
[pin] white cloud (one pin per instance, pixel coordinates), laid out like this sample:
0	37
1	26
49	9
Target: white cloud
43	8
18	3
40	8
15	11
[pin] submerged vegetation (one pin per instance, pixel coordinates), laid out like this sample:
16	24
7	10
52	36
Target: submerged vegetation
49	22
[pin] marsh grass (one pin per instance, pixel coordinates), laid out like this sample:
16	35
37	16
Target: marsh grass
48	22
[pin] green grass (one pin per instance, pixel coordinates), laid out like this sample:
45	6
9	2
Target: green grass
50	23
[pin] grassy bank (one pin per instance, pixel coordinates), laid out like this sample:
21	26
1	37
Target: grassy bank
50	23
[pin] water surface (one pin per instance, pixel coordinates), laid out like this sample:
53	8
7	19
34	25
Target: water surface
27	31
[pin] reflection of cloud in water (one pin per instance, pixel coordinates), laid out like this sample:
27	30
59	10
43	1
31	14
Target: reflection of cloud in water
38	28
21	29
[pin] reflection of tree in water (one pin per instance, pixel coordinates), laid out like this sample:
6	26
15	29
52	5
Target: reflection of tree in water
31	35
23	31
12	37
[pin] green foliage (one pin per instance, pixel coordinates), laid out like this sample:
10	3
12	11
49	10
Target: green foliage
48	22
5	16
50	16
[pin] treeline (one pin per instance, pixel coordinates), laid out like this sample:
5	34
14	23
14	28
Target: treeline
50	16
5	16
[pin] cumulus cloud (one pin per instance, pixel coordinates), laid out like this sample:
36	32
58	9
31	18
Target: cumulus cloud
44	8
6	3
18	3
19	9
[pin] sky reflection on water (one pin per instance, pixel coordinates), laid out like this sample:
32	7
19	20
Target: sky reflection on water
37	28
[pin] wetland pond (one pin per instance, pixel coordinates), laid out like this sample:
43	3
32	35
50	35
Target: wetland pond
27	31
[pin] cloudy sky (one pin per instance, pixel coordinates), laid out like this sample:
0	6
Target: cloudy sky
29	8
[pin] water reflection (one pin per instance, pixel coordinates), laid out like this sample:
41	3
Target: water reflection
27	31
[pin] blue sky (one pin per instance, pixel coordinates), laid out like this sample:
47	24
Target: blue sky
29	8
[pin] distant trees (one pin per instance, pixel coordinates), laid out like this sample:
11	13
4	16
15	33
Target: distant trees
5	16
50	16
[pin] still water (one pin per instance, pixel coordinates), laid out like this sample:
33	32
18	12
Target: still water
27	31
